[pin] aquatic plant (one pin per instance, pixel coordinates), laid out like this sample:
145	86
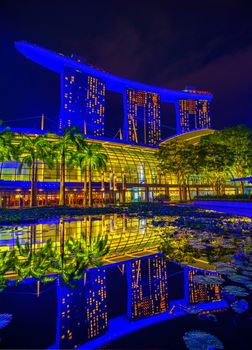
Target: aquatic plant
208	279
5	319
240	306
198	340
235	291
239	278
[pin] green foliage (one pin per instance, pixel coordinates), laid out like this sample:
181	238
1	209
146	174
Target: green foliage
181	159
217	158
162	196
48	263
176	248
63	146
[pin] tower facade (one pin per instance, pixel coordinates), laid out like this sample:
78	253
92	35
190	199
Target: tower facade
82	102
194	113
147	287
200	293
82	311
142	117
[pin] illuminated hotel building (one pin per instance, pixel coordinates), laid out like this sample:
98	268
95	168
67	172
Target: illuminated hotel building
82	102
142	117
194	113
82	311
200	293
132	171
147	287
141	101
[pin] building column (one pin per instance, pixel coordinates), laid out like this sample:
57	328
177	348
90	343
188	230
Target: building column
177	112
147	193
167	190
125	117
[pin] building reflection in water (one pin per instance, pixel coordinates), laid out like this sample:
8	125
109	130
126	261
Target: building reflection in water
200	293
147	287
82	310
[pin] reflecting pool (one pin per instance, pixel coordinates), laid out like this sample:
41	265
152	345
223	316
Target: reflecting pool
137	298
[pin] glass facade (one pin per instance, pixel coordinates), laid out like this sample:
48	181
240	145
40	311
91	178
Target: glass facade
82	311
147	287
126	235
201	293
132	174
142	117
194	114
127	164
83	102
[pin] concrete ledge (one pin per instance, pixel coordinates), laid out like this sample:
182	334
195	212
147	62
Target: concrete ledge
224	203
231	207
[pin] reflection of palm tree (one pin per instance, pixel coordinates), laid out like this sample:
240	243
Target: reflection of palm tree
35	264
47	263
7	263
95	249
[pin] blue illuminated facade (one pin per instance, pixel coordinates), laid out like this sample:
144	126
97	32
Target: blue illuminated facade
194	115
82	102
142	117
83	99
147	287
82	310
200	293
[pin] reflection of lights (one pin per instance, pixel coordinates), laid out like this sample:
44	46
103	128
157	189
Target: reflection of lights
142	226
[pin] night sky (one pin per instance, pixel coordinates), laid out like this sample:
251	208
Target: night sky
206	44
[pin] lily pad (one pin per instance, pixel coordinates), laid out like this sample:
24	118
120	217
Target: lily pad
198	340
240	306
208	279
249	285
5	319
239	278
236	291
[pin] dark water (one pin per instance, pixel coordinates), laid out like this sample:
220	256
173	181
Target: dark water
37	317
234	334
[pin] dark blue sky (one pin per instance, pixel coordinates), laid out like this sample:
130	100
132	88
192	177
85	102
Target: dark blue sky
207	44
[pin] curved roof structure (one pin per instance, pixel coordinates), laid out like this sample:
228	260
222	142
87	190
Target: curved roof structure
57	61
191	136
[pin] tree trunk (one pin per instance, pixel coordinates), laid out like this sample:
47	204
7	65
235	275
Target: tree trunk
1	169
242	187
35	191
62	196
189	192
180	192
90	185
84	187
33	184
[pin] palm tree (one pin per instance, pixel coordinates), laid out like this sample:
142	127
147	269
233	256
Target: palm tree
92	157
6	146
78	158
70	138
31	150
